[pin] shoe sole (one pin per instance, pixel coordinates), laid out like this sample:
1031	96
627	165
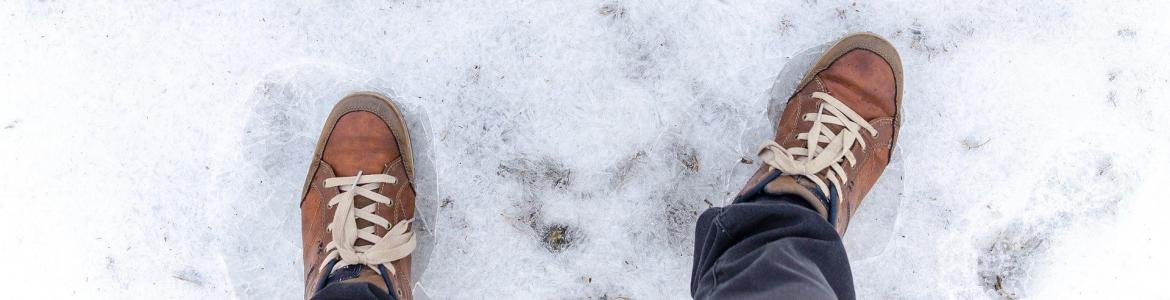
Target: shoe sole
377	104
867	41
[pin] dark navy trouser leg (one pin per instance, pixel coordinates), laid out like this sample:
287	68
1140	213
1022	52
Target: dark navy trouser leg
351	291
769	248
338	285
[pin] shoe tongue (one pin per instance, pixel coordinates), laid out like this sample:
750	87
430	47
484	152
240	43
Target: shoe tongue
362	201
356	274
802	187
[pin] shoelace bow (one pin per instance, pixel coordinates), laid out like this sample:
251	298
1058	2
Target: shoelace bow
813	160
397	243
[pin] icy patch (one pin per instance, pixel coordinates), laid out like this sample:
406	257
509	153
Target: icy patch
869	229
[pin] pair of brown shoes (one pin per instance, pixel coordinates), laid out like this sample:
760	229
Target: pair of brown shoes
833	140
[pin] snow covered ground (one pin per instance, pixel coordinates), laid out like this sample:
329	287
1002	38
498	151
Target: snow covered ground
155	150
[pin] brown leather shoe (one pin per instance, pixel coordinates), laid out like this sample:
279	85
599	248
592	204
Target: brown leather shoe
358	199
847	109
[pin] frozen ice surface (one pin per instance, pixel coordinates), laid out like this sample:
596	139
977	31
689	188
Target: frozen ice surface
155	150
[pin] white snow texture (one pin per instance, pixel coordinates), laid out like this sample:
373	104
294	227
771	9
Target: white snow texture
156	149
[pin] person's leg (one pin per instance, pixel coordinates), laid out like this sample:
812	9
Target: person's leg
781	238
351	291
352	282
769	248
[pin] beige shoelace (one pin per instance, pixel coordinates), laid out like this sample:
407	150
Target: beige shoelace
398	242
814	159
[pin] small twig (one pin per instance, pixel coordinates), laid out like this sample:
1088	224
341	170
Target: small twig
972	145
